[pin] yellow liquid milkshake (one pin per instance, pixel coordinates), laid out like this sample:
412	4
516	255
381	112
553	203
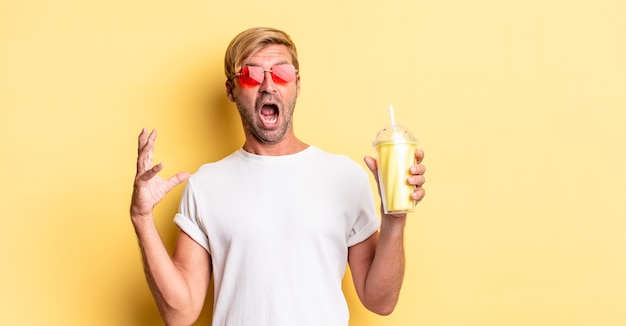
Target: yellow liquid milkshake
394	161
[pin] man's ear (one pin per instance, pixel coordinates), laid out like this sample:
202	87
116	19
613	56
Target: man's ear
229	91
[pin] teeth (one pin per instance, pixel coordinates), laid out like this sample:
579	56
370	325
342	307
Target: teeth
272	120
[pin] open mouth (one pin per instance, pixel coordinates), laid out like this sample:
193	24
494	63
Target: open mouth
269	114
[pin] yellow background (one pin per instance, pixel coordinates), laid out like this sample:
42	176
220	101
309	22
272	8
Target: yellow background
519	105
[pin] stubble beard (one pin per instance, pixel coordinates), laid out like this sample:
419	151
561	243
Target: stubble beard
252	124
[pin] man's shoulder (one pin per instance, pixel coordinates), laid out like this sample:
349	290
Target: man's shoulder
341	163
333	157
222	164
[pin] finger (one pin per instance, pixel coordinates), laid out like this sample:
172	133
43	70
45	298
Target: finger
418	194
419	156
371	164
178	179
417	169
150	173
141	143
141	139
141	152
153	135
417	180
147	152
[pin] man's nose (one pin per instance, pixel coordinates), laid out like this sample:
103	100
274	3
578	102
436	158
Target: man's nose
268	84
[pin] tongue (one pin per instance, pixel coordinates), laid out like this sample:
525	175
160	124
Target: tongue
267	110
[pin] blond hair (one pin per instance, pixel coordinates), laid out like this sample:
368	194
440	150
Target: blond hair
248	42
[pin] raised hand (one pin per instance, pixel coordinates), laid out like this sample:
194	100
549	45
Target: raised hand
149	188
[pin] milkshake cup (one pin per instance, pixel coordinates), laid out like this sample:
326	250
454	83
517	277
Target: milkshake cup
395	153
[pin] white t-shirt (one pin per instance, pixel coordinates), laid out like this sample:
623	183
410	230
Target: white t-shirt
278	230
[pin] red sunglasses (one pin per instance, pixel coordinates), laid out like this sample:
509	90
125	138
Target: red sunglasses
254	75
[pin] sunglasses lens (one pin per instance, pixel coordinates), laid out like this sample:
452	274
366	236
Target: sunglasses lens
283	74
251	76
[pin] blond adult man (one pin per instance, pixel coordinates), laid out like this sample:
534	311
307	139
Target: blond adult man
276	222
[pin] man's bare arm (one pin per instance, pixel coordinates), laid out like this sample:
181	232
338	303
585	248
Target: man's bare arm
179	284
378	263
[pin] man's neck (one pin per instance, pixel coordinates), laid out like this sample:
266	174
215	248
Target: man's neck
287	146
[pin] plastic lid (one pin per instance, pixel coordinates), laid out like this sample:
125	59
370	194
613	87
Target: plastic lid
394	132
